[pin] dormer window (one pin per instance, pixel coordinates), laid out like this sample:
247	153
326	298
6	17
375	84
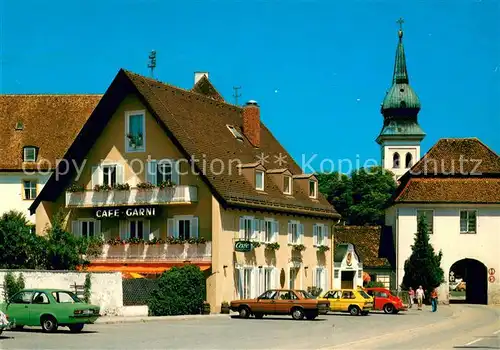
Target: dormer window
287	184
135	131
259	180
313	189
238	136
29	154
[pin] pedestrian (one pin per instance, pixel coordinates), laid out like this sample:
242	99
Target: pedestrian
434	300
411	293
420	296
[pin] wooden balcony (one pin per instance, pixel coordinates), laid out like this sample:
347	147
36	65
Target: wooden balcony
138	253
179	194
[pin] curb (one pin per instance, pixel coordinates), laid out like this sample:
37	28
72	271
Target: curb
144	319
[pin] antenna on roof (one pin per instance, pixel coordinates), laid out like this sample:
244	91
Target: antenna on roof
152	62
236	95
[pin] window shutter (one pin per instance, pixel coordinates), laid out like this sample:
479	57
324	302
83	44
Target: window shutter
301	235
175	172
326	235
120	174
96	178
170	227
154	234
254	282
75	228
262	236
147	229
315	235
151	172
242	228
255	228
323	279
274	278
239	278
290	238
276	229
315	277
97	228
124	229
194	225
262	278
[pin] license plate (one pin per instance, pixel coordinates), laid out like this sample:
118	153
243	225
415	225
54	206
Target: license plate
88	312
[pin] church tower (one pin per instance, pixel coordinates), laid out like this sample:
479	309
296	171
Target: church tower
401	134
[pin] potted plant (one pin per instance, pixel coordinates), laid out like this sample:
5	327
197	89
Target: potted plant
299	247
256	244
76	188
272	246
323	248
122	187
102	188
145	185
166	184
224	307
206	308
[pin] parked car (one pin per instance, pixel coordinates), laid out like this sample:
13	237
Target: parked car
4	322
297	303
384	300
461	287
49	308
354	301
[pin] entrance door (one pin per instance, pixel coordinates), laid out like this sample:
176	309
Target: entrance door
294	272
347	279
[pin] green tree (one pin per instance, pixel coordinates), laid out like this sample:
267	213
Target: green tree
360	198
19	246
11	286
181	291
423	267
63	251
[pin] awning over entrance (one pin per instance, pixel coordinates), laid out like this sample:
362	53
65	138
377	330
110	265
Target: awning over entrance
138	269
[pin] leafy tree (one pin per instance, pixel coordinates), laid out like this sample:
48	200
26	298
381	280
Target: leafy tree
19	247
360	198
181	291
63	251
423	267
11	286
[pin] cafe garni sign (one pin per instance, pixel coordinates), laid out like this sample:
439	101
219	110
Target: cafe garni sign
243	246
125	212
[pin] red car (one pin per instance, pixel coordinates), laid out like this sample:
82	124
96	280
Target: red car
384	300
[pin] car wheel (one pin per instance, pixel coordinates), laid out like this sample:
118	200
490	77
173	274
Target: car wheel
244	312
49	324
75	328
297	313
388	308
259	315
354	310
311	316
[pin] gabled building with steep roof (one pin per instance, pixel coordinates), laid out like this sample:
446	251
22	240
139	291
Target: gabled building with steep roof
456	188
401	133
36	131
168	176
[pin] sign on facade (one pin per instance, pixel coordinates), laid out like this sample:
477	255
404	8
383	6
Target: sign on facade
243	246
127	212
491	271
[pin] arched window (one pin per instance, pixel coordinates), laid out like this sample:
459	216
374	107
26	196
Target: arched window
395	160
409	160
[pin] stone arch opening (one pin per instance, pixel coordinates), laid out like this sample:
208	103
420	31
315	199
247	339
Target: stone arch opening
395	160
468	282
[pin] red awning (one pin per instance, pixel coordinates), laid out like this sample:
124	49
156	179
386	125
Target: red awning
143	269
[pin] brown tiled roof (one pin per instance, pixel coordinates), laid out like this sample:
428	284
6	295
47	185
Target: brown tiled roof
197	125
461	170
366	240
458	156
451	190
49	122
205	87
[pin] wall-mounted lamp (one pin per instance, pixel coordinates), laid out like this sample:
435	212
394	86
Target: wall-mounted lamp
306	267
260	266
224	267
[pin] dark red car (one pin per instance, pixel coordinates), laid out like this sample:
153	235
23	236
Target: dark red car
384	300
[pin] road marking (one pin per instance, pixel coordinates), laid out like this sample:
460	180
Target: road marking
496	332
474	341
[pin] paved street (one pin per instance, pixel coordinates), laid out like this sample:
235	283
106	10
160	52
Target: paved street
457	326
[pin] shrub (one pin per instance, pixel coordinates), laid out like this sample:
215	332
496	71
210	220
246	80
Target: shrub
11	286
375	284
87	286
181	291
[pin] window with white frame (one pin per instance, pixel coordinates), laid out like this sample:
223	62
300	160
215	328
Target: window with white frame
295	232
320	234
385	279
428	215
249	228
270	230
268	278
294	278
259	180
136	229
287	184
320	277
86	227
29	154
336	273
313	188
247	282
183	227
468	221
135	131
29	189
109	175
161	171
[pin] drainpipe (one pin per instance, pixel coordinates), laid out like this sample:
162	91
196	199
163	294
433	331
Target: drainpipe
333	250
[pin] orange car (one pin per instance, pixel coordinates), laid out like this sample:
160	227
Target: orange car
297	303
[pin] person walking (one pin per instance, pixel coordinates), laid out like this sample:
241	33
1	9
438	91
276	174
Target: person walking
420	297
434	300
411	293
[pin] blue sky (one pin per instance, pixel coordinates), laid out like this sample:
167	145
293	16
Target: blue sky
319	69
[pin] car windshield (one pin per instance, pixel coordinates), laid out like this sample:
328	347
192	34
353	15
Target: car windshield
65	297
305	295
364	295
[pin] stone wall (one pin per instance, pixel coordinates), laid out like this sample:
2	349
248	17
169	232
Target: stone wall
106	289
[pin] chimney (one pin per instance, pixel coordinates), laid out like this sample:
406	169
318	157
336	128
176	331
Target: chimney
199	75
251	122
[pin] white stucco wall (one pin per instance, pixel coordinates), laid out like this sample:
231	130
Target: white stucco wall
402	147
483	246
106	290
11	189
